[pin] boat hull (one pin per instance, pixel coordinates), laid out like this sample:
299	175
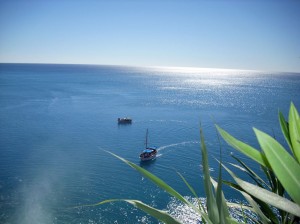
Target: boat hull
147	158
124	120
146	155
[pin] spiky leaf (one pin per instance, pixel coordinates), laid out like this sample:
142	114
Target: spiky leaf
256	208
266	196
285	130
156	213
283	164
212	207
160	183
294	130
244	148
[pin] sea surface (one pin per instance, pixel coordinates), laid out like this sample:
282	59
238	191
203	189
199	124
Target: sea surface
57	123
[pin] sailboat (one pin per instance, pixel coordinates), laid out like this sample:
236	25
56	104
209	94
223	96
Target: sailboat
148	153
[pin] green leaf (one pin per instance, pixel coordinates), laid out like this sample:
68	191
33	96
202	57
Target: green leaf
250	175
220	198
256	208
212	207
188	185
266	196
232	185
236	205
221	201
193	192
264	207
223	211
260	182
243	207
232	221
285	130
294	129
160	183
283	164
244	148
158	214
269	176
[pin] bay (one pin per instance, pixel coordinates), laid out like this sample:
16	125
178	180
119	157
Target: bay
58	121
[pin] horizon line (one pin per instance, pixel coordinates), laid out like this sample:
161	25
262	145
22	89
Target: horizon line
180	68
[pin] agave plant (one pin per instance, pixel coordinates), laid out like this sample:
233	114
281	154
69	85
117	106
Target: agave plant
280	188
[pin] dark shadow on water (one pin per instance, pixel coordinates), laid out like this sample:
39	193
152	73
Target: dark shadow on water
146	164
121	125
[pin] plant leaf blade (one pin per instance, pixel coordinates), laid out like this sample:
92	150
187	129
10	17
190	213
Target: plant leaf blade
156	213
294	130
244	148
285	130
160	183
266	196
256	207
212	207
283	164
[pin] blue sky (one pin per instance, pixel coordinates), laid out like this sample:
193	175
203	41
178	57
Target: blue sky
258	35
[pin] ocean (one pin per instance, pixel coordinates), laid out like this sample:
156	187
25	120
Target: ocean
58	122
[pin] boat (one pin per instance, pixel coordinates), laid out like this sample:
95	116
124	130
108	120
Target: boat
148	153
125	120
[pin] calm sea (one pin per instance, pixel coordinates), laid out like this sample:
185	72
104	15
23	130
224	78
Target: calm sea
57	121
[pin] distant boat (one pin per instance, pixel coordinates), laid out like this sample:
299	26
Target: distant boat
148	153
125	120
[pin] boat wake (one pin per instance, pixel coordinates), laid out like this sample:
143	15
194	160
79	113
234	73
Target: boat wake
177	144
159	155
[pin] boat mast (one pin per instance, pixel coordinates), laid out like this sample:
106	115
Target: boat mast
146	143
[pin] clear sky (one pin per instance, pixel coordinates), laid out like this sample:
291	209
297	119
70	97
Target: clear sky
245	34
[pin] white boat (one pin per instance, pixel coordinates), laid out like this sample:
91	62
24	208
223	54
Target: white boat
148	153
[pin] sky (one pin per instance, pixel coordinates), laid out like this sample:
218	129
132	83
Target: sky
245	34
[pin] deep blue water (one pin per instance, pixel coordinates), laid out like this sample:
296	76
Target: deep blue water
57	120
